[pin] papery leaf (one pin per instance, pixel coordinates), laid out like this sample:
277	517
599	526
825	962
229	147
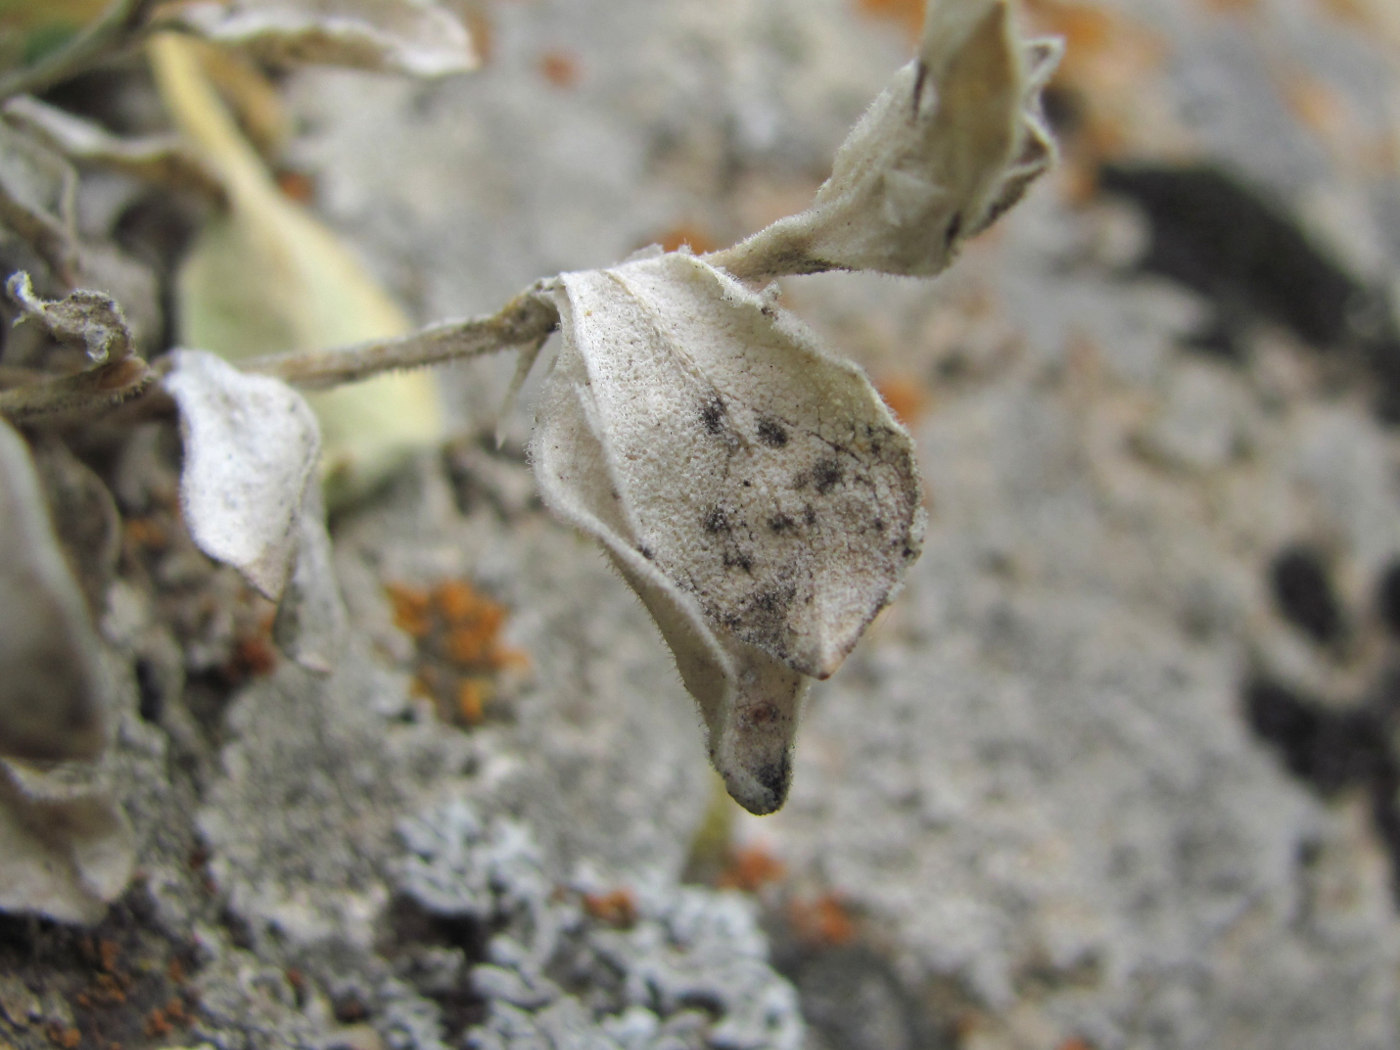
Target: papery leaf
755	492
51	705
251	447
418	37
949	145
66	850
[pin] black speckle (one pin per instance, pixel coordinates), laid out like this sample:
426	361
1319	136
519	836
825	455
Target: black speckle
827	475
878	524
809	515
920	77
780	523
715	520
954	230
1303	590
645	552
1388	598
712	414
771	433
738	560
748	484
765	615
774	778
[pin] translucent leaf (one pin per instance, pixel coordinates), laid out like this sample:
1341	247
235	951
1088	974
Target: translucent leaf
417	37
267	277
251	446
50	693
66	850
949	145
755	492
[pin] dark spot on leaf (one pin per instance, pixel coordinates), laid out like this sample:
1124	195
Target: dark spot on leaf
774	778
715	520
738	560
954	230
827	475
762	714
780	523
712	414
771	433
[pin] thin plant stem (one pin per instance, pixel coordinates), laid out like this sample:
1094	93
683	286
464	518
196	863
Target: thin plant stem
115	29
526	320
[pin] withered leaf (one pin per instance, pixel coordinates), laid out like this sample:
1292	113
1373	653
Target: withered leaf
51	698
251	447
418	37
755	492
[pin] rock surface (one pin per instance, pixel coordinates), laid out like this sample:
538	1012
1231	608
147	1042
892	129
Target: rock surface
1118	769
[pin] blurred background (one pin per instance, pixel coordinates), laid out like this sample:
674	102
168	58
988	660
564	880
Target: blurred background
1120	767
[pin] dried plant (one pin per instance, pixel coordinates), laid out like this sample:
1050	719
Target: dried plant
751	487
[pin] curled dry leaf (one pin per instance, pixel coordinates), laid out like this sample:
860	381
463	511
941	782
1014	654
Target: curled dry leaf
95	322
417	37
950	144
158	159
755	492
251	446
90	318
51	700
66	849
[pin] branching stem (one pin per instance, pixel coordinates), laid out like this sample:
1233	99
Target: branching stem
525	321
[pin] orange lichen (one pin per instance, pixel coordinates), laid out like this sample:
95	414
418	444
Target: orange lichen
750	868
616	907
1107	64
824	920
411	608
63	1035
157	1024
252	657
908	14
146	533
685	233
560	69
472	696
457	631
297	186
905	396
